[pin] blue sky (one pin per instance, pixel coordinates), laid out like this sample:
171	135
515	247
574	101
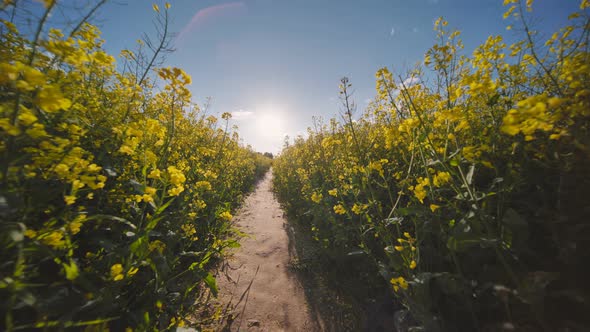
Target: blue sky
277	63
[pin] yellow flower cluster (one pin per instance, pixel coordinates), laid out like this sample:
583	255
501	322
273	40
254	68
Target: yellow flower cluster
454	143
339	209
157	245
189	231
177	179
316	197
117	272
399	282
225	215
419	189
54	239
441	178
359	208
533	114
100	168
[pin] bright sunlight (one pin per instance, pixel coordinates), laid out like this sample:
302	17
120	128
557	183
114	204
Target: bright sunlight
270	124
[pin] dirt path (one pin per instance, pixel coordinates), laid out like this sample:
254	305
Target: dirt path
262	292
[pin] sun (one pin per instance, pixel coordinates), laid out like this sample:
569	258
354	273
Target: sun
270	124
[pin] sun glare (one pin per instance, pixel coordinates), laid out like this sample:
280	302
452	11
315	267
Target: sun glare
270	124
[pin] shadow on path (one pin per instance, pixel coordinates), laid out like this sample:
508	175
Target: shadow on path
338	291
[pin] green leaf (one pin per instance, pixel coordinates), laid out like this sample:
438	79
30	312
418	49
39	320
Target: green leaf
153	223
232	244
139	246
113	218
211	283
164	206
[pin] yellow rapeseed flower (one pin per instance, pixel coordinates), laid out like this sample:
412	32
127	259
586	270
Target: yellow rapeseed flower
150	191
69	199
203	185
76	224
31	234
226	216
9	128
51	99
419	188
176	176
132	271
339	209
126	149
441	178
54	239
117	272
358	208
316	197
27	118
154	174
176	190
157	245
398	283
188	229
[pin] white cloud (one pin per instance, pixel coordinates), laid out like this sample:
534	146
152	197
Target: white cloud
241	115
392	32
411	81
414	30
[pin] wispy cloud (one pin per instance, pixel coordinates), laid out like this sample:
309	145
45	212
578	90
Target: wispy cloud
209	13
392	32
241	115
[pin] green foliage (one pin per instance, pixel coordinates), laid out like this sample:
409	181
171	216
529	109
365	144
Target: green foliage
263	164
115	196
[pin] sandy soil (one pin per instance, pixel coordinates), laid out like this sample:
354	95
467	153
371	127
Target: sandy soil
256	284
